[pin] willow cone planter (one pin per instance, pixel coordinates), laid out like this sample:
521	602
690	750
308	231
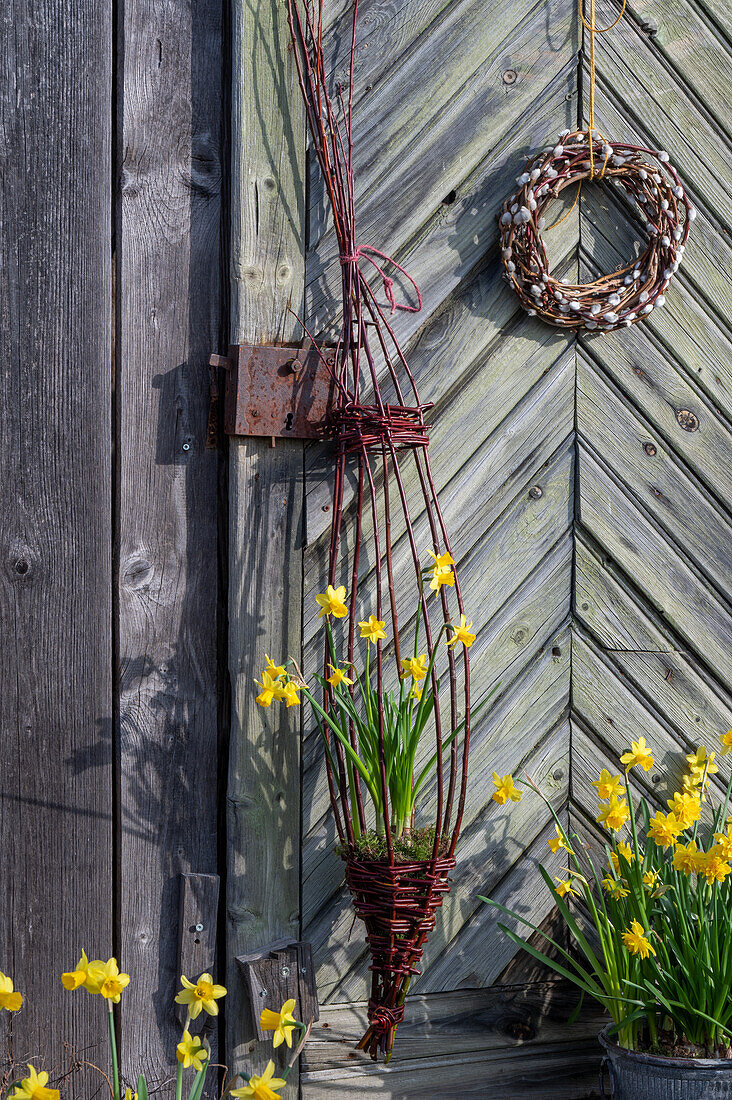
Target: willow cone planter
635	1076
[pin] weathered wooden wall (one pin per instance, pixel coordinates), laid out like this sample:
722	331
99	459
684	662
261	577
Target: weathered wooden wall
110	683
56	703
653	553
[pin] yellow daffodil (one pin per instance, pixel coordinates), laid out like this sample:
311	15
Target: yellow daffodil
565	887
713	866
614	815
277	672
686	807
686	858
636	940
87	974
625	851
701	762
129	1095
441	571
616	887
462	634
664	829
692	784
200	995
339	677
724	843
726	740
33	1087
332	602
373	629
112	982
557	842
639	754
608	786
651	879
416	692
282	1023
416	667
271	689
289	693
10	999
262	1088
505	790
191	1052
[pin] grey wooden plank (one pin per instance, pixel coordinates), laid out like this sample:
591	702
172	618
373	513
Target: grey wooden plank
454	230
646	374
606	701
692	138
670	584
686	327
506	1017
265	507
169	320
637	457
565	1071
692	46
55	523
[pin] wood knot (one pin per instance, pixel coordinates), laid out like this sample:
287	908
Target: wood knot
688	420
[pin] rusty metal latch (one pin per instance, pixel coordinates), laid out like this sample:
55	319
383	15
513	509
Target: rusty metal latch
276	392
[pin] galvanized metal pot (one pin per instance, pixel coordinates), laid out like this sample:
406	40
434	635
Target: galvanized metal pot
636	1076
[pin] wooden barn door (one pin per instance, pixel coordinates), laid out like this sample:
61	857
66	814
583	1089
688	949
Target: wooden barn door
586	482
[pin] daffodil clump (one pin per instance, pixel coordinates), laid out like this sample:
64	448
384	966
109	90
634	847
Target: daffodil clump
661	908
353	713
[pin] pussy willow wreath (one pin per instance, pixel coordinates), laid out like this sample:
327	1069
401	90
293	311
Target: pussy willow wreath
625	296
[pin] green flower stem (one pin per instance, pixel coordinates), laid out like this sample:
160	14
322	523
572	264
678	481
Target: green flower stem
179	1082
113	1049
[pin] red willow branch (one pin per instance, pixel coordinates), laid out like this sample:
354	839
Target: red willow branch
374	438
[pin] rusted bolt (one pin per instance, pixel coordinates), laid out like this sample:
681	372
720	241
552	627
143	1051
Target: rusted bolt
649	449
688	420
326	508
510	76
293	366
536	491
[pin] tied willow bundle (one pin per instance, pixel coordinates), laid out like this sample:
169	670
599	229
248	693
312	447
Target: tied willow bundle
371	730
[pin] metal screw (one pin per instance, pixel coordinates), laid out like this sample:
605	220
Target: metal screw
263	993
303	970
649	449
510	76
186	446
285	971
536	491
199	928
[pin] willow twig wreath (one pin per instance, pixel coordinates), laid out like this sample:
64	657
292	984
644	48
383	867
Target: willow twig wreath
629	294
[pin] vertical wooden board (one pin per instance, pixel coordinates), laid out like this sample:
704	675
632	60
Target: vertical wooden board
265	507
55	524
169	320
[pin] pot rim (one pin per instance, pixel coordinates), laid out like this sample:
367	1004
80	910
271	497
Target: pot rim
613	1049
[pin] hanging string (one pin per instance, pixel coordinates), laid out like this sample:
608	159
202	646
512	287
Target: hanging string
594	29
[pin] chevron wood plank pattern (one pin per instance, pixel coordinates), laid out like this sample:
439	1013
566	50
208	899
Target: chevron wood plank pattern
603	602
